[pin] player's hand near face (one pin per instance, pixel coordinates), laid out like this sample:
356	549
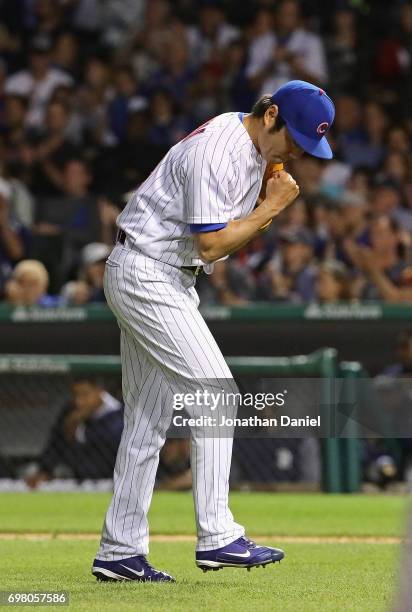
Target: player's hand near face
281	191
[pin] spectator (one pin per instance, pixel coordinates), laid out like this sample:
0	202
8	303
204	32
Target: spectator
262	44
84	440
242	278
49	17
28	285
333	283
12	236
117	17
47	149
206	93
236	90
76	211
396	168
308	173
291	274
66	54
387	200
118	109
348	123
167	126
146	45
355	211
396	291
14	126
93	100
133	167
380	261
39	81
297	53
330	229
67	222
176	72
398	140
213	34
296	217
89	287
362	137
344	53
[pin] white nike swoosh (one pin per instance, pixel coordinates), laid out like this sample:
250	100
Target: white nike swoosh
133	571
243	555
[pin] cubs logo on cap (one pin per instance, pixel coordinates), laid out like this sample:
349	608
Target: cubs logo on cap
308	113
322	127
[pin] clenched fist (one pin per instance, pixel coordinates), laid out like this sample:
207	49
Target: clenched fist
271	170
281	190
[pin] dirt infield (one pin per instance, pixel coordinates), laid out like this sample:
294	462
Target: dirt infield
36	537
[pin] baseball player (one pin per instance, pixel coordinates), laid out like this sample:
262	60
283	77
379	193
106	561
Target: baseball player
197	206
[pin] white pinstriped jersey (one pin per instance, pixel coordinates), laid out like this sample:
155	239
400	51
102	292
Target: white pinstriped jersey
214	175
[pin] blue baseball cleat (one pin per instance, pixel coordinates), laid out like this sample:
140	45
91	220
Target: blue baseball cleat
133	568
240	553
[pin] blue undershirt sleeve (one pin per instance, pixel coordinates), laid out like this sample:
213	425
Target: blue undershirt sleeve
197	228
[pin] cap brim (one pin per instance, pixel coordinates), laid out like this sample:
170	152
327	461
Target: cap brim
317	148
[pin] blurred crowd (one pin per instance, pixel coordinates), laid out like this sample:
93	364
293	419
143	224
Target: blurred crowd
93	93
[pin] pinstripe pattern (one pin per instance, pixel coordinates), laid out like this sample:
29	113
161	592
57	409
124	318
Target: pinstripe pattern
165	347
198	181
212	176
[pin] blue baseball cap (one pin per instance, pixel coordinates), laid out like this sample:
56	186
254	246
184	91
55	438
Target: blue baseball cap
308	113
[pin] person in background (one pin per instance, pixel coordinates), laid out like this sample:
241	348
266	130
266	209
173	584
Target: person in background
28	286
12	236
349	128
85	437
212	35
66	53
333	283
355	211
126	88
46	149
13	128
291	274
67	222
134	167
385	272
168	126
89	288
39	80
296	54
387	200
344	52
395	291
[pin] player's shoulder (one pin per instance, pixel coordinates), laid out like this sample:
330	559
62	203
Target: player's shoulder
218	133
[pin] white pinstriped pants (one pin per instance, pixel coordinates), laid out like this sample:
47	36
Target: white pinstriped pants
165	344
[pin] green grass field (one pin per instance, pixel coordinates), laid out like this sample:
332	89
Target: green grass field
342	553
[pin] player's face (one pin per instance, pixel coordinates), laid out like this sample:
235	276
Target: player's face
276	146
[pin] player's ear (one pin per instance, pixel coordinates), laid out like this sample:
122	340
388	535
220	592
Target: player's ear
270	116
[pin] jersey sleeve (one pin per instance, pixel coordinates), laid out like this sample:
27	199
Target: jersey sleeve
207	199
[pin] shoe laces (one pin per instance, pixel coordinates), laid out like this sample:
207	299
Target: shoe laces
248	543
150	567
